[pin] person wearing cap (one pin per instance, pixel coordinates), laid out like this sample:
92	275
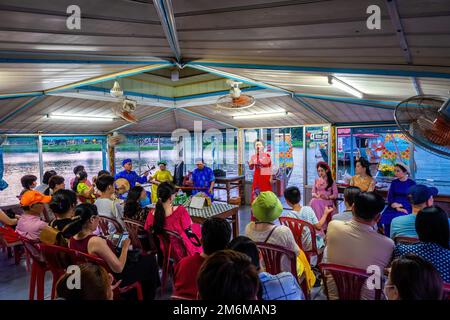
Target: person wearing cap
161	175
203	179
131	176
420	196
398	202
266	209
30	224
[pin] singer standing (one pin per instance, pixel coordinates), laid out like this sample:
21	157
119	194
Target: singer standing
262	164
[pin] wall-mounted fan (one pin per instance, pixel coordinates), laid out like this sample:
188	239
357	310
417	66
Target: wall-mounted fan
425	120
235	100
116	139
125	110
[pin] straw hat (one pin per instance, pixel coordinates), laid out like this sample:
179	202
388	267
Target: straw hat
122	185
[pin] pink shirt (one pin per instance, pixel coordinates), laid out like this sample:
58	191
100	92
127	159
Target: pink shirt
30	226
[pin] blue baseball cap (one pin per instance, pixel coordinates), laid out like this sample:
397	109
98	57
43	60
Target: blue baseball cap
125	161
421	193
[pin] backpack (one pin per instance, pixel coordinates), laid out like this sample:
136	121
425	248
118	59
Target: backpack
51	235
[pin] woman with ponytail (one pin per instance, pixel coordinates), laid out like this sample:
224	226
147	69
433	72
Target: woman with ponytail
177	219
81	187
143	269
62	205
324	193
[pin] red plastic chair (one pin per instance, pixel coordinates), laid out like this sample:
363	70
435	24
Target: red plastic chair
140	238
59	258
12	248
406	240
272	255
104	223
349	281
297	227
170	257
38	268
446	291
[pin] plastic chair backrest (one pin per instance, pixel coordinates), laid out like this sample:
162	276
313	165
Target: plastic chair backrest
34	250
104	223
297	227
140	238
272	255
349	281
58	258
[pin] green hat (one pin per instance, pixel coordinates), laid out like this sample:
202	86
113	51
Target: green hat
164	162
267	207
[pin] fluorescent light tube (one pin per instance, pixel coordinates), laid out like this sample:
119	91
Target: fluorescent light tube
335	82
260	115
73	117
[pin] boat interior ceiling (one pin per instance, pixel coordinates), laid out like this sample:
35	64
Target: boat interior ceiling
175	59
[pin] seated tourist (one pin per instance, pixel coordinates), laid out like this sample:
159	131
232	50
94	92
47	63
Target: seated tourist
28	182
6	224
433	231
177	219
105	203
95	284
141	268
305	213
216	233
45	179
228	275
282	286
420	196
136	204
30	223
81	186
355	243
267	209
349	199
413	278
55	183
77	170
63	205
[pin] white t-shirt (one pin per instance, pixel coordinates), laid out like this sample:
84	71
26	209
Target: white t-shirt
306	214
282	236
111	209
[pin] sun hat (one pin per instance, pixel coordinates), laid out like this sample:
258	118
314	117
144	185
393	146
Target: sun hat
267	207
32	197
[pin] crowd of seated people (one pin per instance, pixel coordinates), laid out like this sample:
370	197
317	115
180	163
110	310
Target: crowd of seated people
210	267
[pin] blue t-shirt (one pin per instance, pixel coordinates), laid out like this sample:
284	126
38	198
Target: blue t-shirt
405	226
282	286
438	256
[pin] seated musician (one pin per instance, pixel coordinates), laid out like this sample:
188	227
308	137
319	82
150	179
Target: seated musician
203	179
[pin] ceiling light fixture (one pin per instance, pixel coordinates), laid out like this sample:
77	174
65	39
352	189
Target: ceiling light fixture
116	91
260	115
345	87
73	117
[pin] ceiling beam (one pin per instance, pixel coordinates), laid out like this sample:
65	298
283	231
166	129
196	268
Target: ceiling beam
398	27
167	18
26	105
310	108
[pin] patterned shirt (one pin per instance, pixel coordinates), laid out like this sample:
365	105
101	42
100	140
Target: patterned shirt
202	179
438	256
282	286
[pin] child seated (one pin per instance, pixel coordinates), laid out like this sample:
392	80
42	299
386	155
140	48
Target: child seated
349	198
305	213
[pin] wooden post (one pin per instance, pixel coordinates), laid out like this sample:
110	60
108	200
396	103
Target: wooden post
111	157
240	151
333	164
